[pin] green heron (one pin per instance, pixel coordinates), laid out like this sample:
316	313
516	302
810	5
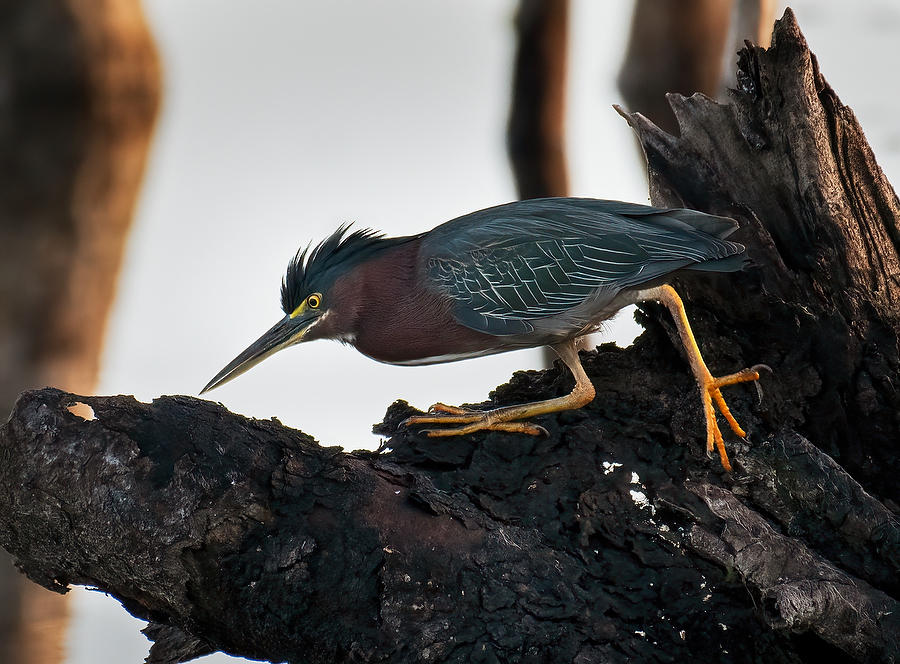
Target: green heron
540	272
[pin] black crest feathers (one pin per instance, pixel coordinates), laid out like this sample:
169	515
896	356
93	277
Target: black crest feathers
314	269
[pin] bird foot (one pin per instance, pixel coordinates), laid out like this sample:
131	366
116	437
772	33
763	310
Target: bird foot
711	389
499	419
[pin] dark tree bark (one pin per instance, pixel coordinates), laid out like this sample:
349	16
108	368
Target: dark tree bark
614	539
790	161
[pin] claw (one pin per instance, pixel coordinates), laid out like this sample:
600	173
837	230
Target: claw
712	399
709	385
759	390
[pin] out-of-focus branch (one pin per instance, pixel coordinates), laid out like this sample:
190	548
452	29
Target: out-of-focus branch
681	45
536	131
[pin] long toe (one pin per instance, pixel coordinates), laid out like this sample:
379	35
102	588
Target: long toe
463	417
470	421
712	400
742	376
453	410
714	439
510	427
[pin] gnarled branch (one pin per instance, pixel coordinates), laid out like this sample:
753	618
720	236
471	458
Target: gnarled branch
612	539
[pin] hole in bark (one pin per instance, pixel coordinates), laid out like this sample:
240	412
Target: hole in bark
82	410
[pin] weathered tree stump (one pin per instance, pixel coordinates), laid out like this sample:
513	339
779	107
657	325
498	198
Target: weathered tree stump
614	539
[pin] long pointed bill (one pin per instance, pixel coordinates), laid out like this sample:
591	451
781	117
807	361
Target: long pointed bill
284	333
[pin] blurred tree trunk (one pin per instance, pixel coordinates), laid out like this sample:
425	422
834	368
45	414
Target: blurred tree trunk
681	46
536	130
81	85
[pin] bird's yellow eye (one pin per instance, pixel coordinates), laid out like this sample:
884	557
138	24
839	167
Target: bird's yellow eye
314	300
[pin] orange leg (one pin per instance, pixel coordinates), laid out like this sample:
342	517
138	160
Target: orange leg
506	418
711	393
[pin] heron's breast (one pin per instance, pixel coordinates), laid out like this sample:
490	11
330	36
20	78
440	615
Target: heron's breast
398	320
418	328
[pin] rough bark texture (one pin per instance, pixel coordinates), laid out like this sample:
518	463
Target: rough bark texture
80	87
614	539
822	304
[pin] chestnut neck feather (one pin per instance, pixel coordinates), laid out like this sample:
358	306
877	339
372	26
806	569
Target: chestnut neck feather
387	312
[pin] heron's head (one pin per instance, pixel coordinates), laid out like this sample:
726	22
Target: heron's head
307	296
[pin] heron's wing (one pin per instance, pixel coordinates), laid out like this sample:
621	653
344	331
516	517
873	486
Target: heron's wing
509	267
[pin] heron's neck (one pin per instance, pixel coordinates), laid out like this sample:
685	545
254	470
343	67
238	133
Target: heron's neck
370	295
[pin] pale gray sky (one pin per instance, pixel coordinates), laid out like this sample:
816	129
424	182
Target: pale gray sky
284	118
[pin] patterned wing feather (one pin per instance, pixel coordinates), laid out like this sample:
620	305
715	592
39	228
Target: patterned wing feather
507	268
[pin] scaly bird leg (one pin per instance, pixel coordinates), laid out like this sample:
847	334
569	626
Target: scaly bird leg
506	418
709	385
